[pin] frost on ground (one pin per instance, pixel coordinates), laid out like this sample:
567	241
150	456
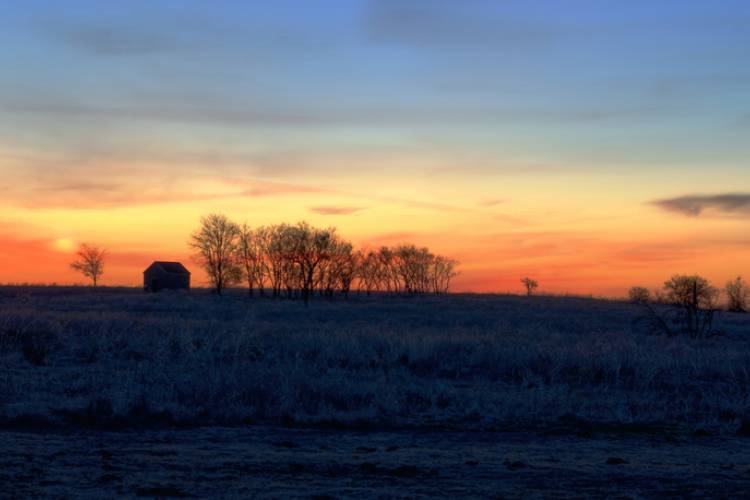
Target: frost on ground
261	462
118	358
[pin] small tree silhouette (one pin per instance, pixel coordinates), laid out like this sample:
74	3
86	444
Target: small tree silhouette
90	262
530	285
697	299
215	245
738	294
639	295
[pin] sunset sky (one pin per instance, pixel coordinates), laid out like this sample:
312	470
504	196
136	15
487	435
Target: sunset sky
591	145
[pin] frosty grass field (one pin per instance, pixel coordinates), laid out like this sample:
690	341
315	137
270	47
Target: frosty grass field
456	372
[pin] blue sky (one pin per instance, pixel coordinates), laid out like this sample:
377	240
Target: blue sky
571	107
585	82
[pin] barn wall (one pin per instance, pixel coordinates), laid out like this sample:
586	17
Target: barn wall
166	281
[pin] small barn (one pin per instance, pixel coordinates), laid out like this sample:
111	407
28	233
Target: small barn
166	276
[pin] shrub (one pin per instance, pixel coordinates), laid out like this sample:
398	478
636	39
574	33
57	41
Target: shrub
36	346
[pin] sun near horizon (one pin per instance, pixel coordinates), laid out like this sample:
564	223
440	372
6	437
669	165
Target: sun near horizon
593	147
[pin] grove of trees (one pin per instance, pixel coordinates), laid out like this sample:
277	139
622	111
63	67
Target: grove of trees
300	261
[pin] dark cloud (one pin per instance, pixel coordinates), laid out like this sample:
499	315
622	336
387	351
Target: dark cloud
330	210
695	205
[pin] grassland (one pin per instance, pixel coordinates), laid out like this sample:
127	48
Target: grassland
122	358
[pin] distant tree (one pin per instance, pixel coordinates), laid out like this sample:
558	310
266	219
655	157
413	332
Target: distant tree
309	248
443	271
300	260
215	245
90	262
250	257
368	271
695	296
530	285
694	291
738	294
639	295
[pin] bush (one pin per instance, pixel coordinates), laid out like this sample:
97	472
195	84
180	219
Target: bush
36	346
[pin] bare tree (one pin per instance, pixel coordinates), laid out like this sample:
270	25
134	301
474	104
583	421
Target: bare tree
387	279
299	260
738	295
530	285
90	262
694	291
695	296
639	295
443	271
368	271
250	257
216	244
310	247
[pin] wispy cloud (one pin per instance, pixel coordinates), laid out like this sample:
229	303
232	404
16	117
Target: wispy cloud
439	24
491	202
696	205
120	191
361	115
114	40
331	210
257	188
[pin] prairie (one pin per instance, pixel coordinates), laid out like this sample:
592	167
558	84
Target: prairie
117	393
119	357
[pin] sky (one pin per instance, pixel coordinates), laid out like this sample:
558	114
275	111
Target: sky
591	145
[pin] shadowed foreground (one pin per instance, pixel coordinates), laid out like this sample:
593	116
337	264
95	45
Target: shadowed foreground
115	392
273	462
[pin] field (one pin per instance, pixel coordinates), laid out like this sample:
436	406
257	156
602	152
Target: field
571	386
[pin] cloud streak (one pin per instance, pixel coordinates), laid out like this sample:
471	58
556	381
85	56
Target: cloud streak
697	205
331	210
440	23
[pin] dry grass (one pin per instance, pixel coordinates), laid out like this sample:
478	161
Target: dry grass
75	355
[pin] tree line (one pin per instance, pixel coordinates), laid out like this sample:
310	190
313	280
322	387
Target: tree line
300	261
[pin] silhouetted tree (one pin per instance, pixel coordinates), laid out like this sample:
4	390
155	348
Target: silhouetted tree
299	260
530	285
738	295
369	272
90	262
309	247
639	295
694	291
216	244
443	271
695	296
250	257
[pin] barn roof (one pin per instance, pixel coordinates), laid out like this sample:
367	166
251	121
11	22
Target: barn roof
170	267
